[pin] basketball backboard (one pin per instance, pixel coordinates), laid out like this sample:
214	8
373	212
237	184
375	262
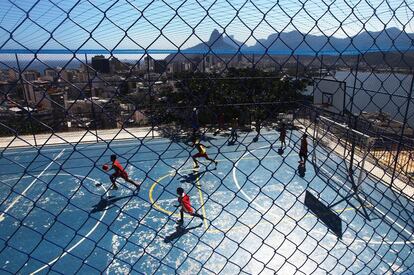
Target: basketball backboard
329	94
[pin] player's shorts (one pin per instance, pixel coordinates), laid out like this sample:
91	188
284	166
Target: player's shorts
123	175
303	154
200	155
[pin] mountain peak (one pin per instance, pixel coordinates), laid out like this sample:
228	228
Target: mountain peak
215	35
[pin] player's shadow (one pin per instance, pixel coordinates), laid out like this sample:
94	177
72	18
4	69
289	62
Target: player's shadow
301	170
231	143
107	203
222	133
180	231
193	176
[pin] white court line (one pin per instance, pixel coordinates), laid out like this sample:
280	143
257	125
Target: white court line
81	240
236	182
240	188
88	145
30	185
99	145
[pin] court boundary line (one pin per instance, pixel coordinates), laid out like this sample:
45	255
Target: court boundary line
95	144
2	216
104	135
89	144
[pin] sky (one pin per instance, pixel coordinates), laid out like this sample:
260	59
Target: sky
173	24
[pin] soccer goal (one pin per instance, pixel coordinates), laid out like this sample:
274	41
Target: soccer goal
339	158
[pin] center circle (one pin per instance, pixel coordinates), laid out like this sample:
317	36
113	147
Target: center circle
154	185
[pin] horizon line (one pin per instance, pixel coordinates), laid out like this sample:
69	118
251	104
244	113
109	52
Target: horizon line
202	51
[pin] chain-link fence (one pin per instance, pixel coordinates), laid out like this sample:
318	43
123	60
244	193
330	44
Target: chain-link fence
206	137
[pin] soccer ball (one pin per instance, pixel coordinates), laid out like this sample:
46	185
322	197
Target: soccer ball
105	167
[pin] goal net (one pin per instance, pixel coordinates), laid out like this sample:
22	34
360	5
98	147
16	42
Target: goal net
339	156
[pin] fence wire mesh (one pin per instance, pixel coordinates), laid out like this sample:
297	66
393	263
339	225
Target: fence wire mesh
206	137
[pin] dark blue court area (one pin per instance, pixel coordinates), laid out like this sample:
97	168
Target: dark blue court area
58	215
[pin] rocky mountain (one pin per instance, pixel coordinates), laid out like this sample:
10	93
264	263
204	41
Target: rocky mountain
391	39
216	43
388	39
229	39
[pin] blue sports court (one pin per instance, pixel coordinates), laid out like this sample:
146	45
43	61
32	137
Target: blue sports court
58	216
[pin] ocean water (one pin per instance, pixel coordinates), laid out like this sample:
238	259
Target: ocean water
40	66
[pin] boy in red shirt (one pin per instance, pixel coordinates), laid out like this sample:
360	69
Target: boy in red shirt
184	202
119	173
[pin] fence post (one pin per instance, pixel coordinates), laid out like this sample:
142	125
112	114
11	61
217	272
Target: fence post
150	94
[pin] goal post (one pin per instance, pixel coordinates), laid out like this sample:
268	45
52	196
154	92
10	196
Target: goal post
337	143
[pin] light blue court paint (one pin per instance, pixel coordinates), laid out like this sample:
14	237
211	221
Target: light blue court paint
58	215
